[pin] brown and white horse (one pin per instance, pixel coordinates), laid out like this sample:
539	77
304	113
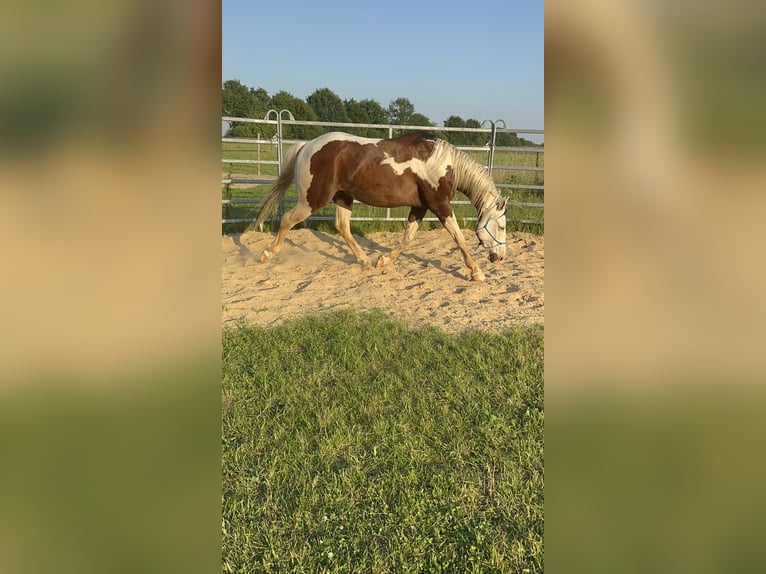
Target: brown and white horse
415	170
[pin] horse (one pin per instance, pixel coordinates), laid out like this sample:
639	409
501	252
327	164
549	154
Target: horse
415	170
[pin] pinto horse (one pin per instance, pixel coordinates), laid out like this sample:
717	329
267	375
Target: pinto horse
415	170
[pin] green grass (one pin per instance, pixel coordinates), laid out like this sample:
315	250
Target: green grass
354	444
515	214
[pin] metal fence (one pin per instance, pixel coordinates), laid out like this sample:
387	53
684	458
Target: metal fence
277	120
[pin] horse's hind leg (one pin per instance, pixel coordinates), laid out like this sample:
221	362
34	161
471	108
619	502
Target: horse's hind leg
413	221
297	214
343	225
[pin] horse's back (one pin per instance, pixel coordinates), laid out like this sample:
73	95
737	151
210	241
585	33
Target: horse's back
319	142
417	144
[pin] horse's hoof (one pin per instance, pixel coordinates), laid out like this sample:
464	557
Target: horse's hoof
265	256
478	276
382	260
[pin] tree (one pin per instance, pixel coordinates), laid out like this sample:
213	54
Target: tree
301	111
327	106
377	115
475	138
418	119
237	100
508	139
366	112
357	114
400	111
375	111
465	138
455	138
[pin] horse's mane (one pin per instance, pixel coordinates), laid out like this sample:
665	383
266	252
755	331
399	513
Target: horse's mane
471	177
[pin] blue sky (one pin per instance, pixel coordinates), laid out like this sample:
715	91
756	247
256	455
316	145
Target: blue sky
481	59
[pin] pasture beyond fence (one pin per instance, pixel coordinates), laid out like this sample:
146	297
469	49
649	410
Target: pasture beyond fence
250	165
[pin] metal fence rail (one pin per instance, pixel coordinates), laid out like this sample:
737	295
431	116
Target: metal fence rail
381	214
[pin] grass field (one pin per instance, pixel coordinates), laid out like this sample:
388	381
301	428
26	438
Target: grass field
354	444
516	214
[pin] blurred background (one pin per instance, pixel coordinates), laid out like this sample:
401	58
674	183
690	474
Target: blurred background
655	280
110	286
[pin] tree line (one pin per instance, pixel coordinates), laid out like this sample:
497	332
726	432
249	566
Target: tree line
324	105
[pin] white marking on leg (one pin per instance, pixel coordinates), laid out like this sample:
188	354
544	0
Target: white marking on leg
450	224
343	225
297	214
409	233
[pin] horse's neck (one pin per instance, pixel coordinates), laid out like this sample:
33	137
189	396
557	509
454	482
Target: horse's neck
472	182
481	196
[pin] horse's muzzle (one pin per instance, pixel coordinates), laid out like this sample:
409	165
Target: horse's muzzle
495	257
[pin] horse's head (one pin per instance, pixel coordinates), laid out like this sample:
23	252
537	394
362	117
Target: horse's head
490	230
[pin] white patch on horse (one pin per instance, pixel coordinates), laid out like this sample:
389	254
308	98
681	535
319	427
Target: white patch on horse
303	176
419	167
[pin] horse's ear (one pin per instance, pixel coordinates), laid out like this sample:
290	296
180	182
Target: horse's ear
500	202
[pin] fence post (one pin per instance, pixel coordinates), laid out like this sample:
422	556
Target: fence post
280	140
490	145
278	115
281	207
290	117
279	134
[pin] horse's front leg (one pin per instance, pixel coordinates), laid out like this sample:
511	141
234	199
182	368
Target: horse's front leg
413	221
450	224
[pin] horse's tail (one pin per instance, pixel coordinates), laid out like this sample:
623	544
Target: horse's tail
279	187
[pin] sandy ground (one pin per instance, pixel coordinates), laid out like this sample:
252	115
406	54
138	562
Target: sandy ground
428	284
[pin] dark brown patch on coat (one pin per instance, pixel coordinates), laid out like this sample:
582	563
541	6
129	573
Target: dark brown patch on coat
404	148
354	169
